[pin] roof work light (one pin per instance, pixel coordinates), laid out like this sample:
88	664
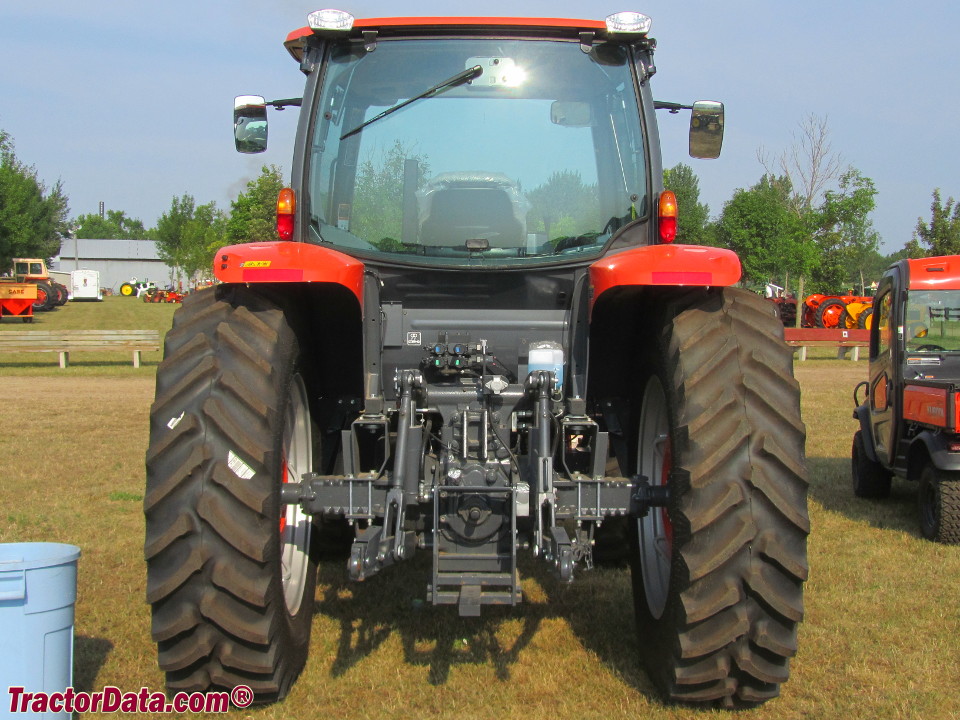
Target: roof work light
330	19
629	22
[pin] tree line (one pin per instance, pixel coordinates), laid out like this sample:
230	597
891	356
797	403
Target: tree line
804	225
35	219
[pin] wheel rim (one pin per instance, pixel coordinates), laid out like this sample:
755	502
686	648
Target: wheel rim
655	529
295	525
831	315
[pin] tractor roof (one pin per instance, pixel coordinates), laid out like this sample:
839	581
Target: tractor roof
552	26
935	273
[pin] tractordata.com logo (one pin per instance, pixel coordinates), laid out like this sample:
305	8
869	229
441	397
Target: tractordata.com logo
112	699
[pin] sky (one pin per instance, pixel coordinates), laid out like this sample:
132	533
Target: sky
131	103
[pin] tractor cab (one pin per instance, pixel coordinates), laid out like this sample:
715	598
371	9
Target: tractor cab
461	142
29	269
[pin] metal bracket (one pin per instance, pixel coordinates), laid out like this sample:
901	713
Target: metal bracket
586	41
310	60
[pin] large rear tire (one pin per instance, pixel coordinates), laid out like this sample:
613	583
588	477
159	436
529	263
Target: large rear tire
718	578
230	575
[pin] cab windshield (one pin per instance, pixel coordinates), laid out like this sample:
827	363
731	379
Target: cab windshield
515	151
932	322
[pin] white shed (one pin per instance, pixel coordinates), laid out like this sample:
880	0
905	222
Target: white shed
117	261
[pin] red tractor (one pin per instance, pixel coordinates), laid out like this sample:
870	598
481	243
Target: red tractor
825	311
156	295
838	311
474	339
910	415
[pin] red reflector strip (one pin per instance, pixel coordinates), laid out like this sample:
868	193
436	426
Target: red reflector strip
682	278
270	275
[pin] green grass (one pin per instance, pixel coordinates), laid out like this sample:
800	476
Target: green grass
880	639
114	313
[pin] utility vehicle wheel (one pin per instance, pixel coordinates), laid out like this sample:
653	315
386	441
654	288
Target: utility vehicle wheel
126	289
829	313
939	502
865	319
230	575
870	479
718	575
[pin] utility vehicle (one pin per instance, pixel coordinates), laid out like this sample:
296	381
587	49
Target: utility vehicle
909	416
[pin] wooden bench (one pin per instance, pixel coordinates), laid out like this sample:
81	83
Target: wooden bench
827	337
67	341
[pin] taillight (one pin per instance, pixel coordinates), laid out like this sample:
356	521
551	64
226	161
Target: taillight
286	209
668	216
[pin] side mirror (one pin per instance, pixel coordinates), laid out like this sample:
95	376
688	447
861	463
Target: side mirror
250	124
706	129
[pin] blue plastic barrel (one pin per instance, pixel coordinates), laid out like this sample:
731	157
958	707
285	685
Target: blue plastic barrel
38	590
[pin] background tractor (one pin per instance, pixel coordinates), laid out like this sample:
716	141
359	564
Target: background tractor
475	339
824	311
50	293
910	414
136	288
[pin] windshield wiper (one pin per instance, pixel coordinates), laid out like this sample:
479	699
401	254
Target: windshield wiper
458	79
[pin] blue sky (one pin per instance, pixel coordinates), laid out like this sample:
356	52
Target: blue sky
131	103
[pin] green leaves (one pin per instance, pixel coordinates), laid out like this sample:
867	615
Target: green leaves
115	224
188	235
777	236
32	219
563	206
253	215
844	233
941	236
693	222
761	226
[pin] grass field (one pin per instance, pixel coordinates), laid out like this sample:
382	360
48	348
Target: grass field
880	639
114	313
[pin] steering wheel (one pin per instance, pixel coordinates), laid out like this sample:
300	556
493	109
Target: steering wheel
930	348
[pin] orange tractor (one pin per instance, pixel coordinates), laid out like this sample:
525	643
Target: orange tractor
487	350
838	311
825	311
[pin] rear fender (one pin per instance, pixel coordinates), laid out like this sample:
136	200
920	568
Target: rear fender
288	262
935	446
665	265
862	414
